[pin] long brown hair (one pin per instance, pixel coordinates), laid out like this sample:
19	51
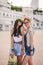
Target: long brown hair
17	31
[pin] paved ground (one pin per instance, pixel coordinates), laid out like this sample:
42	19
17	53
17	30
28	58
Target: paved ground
5	46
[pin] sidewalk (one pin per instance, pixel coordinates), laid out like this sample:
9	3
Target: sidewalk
5	46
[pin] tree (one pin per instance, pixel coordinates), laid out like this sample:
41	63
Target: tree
16	8
37	11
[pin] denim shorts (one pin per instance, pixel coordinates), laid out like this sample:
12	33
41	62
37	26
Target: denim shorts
17	49
27	51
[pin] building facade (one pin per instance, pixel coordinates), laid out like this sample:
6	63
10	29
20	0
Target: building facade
8	17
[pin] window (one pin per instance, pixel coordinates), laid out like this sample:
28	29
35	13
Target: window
41	24
7	14
10	15
37	24
6	27
11	22
33	24
1	27
3	14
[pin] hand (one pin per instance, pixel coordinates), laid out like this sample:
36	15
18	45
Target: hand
12	54
22	52
31	53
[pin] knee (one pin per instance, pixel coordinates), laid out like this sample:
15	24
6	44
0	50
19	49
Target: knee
30	63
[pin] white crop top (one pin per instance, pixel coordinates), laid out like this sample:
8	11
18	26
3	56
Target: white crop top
17	38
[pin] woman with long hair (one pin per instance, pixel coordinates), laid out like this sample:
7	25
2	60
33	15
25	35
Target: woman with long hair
28	39
17	40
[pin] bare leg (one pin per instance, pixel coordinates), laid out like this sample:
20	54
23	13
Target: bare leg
19	60
30	61
25	60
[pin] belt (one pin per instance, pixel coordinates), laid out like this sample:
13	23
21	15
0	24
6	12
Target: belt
18	42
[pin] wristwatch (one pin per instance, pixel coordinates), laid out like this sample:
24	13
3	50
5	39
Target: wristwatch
31	49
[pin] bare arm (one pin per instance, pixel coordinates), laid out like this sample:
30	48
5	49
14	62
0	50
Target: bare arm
22	38
12	41
31	39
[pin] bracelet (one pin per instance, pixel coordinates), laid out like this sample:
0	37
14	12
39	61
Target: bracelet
12	49
22	49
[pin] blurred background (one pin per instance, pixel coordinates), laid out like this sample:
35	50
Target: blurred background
10	10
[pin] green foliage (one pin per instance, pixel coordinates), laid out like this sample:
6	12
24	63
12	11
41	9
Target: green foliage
16	8
37	11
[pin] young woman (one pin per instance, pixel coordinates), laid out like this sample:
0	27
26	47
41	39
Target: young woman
17	41
28	38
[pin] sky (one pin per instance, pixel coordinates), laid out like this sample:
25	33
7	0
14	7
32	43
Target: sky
41	4
25	3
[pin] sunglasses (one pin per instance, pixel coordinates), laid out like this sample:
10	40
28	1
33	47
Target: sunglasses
26	22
